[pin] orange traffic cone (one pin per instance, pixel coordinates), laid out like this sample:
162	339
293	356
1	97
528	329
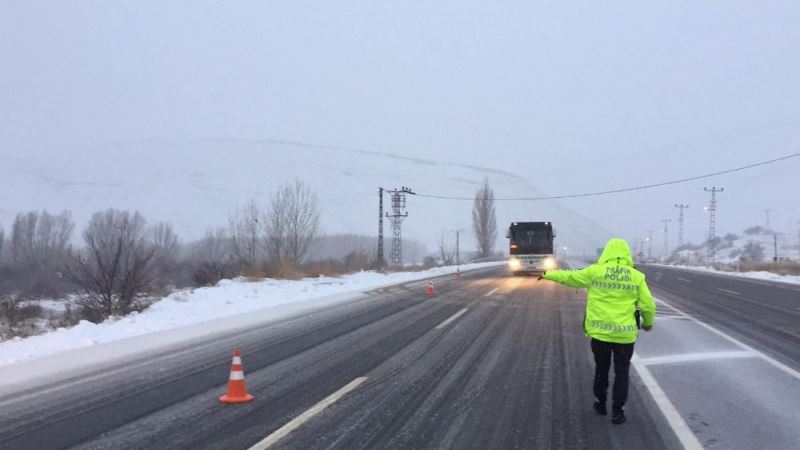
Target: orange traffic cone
431	290
237	392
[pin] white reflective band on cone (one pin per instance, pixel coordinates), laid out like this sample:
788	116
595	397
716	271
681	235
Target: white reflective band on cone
237	375
237	360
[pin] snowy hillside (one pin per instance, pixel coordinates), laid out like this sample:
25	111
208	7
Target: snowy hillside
199	192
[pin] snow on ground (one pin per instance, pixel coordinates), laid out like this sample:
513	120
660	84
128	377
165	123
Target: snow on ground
269	299
768	276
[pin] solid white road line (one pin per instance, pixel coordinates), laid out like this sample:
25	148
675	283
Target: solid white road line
451	318
684	279
489	294
729	292
306	416
737	342
671	414
691	357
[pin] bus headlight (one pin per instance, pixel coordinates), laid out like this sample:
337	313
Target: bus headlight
514	264
549	263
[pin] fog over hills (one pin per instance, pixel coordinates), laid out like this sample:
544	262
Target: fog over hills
195	184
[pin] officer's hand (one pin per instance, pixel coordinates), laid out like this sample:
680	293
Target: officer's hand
647	327
541	276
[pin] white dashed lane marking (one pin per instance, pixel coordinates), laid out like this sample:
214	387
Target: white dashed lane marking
729	292
451	318
298	421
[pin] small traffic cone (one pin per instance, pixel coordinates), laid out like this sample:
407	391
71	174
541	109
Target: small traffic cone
431	290
237	392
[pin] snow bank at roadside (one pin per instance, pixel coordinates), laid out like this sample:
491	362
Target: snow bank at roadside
768	276
276	298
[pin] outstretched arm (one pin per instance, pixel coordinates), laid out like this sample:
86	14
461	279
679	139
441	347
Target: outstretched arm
572	278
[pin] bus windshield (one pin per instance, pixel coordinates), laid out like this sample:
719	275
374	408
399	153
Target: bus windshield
531	238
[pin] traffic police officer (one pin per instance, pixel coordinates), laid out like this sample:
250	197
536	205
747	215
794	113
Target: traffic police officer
615	291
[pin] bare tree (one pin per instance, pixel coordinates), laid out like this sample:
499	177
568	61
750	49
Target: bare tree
165	246
293	224
753	251
39	248
163	238
275	233
484	220
37	238
245	233
23	235
447	250
116	266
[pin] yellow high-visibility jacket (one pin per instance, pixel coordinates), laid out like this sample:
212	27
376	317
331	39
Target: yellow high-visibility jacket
615	288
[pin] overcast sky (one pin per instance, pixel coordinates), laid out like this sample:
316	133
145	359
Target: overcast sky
581	97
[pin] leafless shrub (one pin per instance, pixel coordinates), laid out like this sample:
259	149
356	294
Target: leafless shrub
17	318
358	259
447	249
116	266
212	258
484	220
68	318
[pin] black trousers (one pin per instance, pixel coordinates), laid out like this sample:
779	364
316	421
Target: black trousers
603	353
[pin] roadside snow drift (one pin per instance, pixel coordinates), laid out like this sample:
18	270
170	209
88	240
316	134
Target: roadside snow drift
272	299
756	275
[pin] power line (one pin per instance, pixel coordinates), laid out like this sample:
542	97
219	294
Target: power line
616	191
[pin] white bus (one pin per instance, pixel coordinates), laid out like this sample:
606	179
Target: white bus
530	247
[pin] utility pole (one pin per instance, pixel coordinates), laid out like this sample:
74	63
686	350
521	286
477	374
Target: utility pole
458	254
381	261
397	216
680	222
666	237
775	247
712	220
650	244
766	213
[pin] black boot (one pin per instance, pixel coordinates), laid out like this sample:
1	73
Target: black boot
617	416
600	408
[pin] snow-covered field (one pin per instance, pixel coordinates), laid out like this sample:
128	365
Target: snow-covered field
768	276
230	304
